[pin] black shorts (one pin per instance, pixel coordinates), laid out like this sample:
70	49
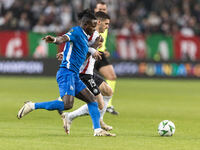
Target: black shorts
98	79
92	82
100	63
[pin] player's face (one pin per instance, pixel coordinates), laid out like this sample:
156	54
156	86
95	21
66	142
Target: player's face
91	27
103	25
101	7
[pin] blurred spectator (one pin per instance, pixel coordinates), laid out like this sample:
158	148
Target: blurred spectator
7	3
138	16
154	20
66	16
40	27
8	21
56	27
126	28
24	23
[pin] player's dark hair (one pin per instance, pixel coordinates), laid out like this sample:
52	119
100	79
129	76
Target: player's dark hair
100	2
82	13
102	15
86	16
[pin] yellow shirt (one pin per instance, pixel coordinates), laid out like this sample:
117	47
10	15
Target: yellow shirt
104	35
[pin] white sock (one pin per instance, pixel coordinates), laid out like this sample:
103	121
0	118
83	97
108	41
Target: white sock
81	111
32	106
97	130
106	100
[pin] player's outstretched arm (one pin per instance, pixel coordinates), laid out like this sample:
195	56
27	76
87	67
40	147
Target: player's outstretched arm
56	40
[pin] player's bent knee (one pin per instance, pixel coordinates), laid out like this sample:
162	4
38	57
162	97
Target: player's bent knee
110	76
105	89
113	77
68	102
108	90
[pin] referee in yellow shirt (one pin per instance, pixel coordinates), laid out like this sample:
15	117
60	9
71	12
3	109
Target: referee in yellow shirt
103	65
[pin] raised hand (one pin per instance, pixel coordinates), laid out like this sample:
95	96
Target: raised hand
49	39
97	55
98	42
59	56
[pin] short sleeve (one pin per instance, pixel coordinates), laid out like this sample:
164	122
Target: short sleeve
71	35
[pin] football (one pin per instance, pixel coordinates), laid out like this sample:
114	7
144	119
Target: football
166	128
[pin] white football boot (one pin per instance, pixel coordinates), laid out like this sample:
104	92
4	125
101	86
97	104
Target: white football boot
66	122
102	132
28	107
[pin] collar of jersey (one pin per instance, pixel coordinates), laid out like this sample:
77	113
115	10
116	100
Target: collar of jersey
85	33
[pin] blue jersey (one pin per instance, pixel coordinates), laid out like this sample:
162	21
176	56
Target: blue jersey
75	51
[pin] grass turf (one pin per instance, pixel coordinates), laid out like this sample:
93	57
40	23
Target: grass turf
142	104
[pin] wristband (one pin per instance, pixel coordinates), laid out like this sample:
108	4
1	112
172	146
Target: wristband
54	40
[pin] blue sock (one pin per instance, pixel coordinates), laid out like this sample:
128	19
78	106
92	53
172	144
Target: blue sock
52	105
95	114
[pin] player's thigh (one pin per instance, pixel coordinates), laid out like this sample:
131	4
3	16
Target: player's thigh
89	81
92	85
105	89
82	92
66	83
108	72
98	79
86	96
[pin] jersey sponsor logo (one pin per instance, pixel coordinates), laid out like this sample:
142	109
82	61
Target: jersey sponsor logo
70	32
71	87
95	91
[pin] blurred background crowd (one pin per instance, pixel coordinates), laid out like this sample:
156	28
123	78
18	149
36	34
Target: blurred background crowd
127	16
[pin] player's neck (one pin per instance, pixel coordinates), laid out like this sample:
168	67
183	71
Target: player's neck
98	30
84	30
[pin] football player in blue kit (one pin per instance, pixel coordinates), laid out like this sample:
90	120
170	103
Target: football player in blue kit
69	83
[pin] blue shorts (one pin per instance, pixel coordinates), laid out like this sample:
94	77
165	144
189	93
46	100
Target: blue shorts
69	82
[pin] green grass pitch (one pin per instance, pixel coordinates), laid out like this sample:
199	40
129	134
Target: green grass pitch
142	104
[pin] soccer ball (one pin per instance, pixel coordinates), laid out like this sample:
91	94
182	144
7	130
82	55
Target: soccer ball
166	128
